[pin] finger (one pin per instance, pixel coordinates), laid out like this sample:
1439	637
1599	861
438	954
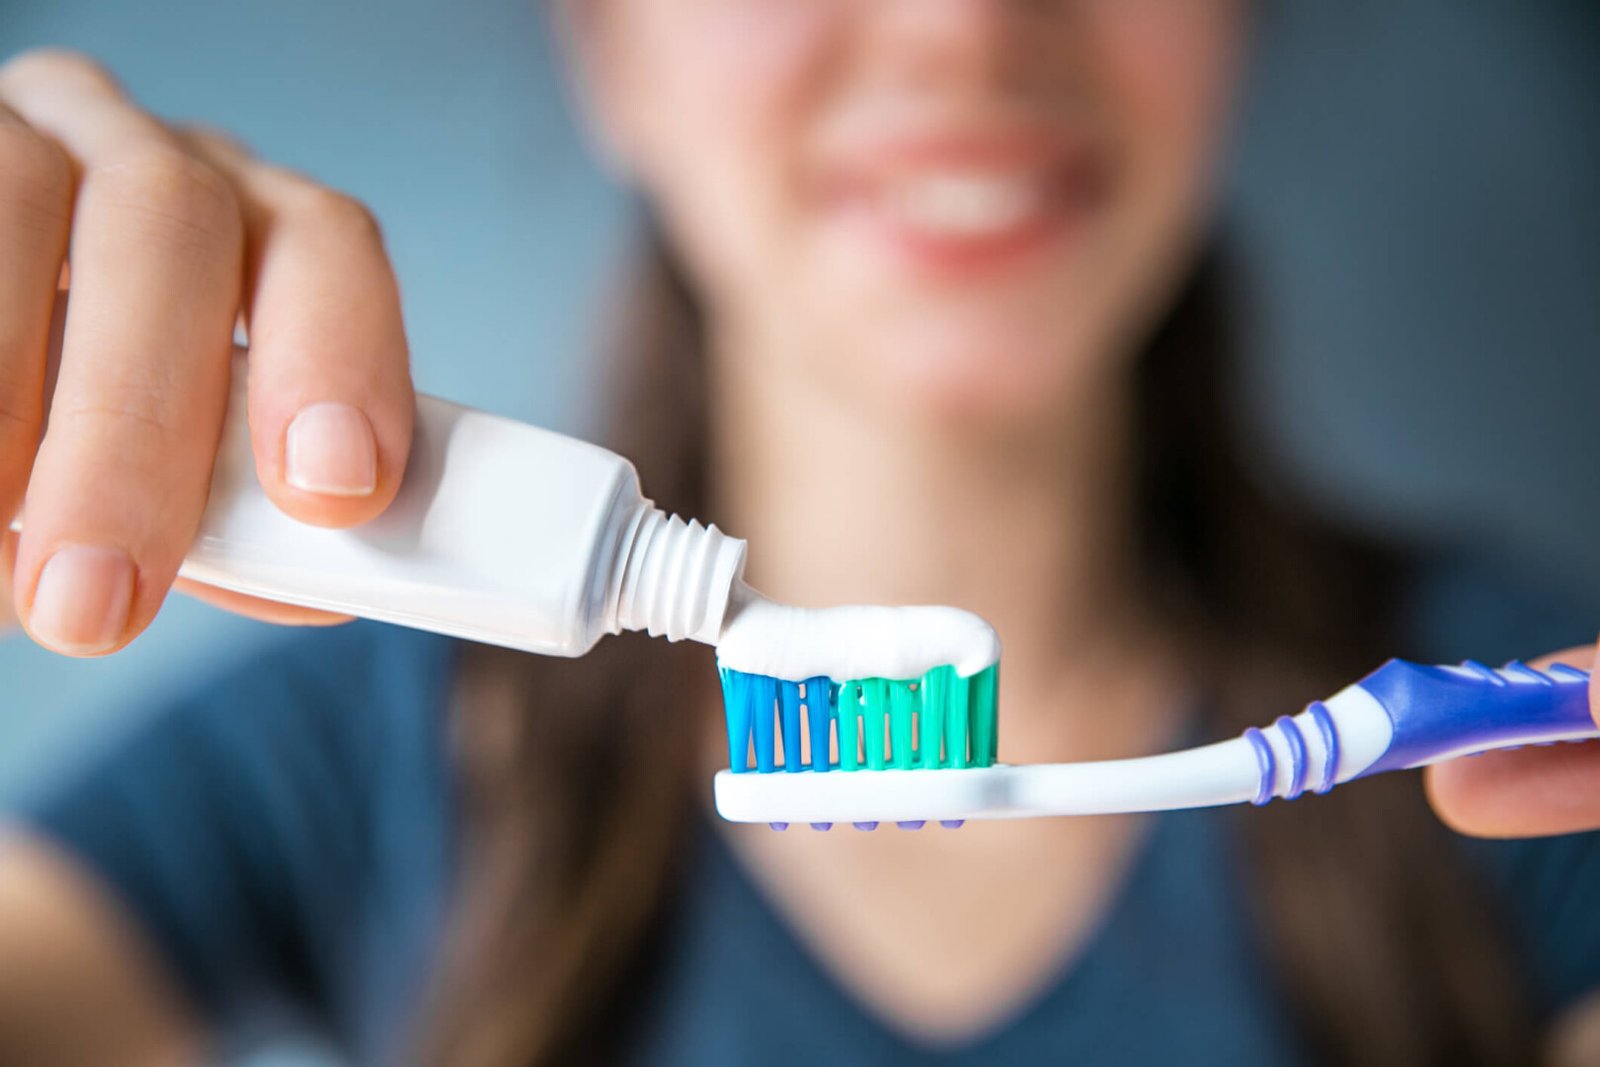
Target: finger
1576	656
1590	658
36	185
331	404
120	479
1585	656
256	608
1527	792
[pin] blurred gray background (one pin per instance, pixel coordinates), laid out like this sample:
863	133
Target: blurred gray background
1415	194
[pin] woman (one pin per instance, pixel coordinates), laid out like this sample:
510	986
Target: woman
932	314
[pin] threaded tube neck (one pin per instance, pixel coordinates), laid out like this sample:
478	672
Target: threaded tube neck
675	577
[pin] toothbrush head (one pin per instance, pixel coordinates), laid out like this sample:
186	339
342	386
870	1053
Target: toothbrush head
932	725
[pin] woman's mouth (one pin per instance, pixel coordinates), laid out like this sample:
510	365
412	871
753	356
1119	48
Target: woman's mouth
956	206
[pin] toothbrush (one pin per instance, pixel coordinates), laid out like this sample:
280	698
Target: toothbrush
576	552
938	761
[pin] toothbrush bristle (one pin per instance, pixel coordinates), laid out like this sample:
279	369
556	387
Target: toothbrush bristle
939	720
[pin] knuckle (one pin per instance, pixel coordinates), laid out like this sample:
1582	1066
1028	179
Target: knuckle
61	66
35	172
332	211
123	416
213	139
174	187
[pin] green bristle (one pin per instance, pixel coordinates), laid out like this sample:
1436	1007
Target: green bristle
939	706
874	709
848	715
956	722
933	693
902	722
985	717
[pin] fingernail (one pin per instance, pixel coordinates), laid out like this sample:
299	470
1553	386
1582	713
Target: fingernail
80	605
330	449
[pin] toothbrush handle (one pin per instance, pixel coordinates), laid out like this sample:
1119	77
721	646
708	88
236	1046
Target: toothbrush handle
1442	712
1409	715
1402	715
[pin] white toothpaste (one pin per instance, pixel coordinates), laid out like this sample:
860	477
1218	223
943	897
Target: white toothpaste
760	636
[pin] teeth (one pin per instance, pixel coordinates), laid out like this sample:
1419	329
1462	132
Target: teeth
963	204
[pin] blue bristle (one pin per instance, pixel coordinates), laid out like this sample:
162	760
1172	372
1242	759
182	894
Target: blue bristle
819	711
763	695
736	702
789	703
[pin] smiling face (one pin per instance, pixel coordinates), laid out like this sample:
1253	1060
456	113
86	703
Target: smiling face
965	207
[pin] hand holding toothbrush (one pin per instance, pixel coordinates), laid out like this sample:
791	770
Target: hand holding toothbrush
172	235
1525	792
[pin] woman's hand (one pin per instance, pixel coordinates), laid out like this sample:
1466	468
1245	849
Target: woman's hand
172	236
1529	791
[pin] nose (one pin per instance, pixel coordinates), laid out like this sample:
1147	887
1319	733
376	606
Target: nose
953	43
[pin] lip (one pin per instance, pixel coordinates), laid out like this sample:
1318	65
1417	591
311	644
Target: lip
1025	193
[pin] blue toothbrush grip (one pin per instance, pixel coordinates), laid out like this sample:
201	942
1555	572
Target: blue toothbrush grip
1442	712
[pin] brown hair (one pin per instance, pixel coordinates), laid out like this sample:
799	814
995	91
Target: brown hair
576	774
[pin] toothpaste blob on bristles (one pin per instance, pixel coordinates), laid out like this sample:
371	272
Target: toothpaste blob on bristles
780	641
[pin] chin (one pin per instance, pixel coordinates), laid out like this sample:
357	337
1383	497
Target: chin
978	379
980	364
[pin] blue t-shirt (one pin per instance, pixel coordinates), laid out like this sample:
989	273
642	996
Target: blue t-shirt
287	835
